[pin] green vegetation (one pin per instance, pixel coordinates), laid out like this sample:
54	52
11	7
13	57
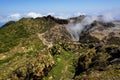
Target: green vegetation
12	33
26	53
10	58
19	44
10	36
63	68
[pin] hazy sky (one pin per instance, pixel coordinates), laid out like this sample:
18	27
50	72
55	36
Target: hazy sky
17	8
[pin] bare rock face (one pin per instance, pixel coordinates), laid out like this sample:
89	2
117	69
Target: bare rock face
76	19
58	32
105	32
108	35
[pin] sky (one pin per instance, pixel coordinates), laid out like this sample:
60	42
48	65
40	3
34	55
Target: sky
16	9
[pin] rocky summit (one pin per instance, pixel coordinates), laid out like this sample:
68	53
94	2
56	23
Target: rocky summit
49	48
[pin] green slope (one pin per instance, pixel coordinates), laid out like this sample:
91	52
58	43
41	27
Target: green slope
24	56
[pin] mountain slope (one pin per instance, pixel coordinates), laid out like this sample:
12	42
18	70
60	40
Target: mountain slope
42	49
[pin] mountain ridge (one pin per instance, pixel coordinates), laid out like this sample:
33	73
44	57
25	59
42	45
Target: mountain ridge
43	49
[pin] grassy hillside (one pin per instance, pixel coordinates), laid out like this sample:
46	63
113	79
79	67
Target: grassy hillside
37	49
19	43
13	32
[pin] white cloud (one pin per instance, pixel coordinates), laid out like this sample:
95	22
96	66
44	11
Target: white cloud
63	16
108	15
17	16
13	17
111	14
51	13
34	15
79	13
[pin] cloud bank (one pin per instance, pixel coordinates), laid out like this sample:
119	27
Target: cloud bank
109	14
34	15
76	29
14	17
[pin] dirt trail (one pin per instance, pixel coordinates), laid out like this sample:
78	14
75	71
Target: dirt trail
49	44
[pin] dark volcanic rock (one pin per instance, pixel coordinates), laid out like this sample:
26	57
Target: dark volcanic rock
57	20
113	51
87	38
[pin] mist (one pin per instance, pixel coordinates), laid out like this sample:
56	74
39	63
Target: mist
76	28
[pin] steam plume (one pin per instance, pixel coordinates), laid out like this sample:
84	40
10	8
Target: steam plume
75	29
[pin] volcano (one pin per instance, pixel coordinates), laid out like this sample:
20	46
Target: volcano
49	48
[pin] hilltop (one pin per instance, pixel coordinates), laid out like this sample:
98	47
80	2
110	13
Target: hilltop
43	49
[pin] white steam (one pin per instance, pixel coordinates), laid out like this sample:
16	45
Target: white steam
75	29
